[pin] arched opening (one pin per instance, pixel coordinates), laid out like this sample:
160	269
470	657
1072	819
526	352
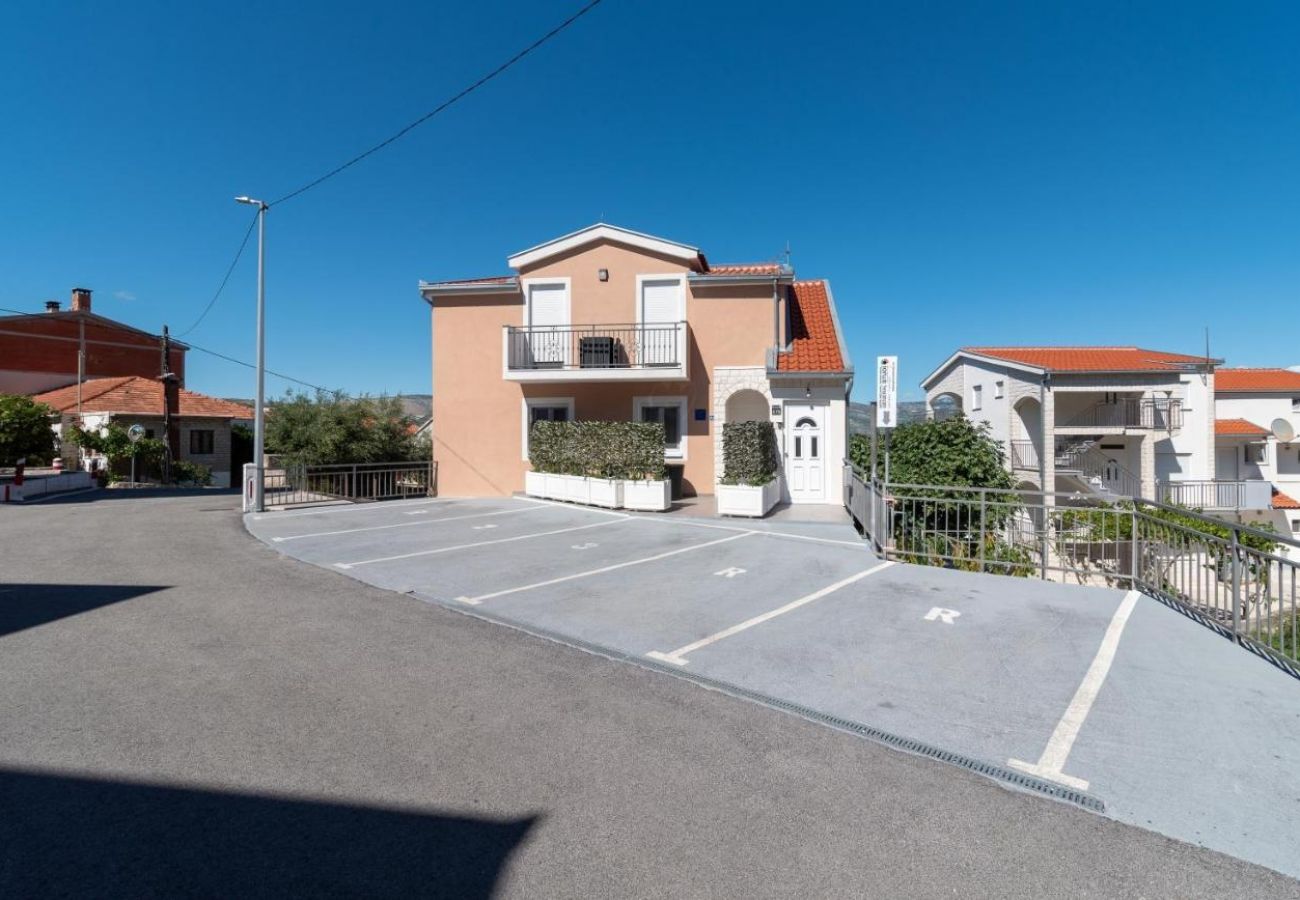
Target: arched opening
944	406
1027	434
747	406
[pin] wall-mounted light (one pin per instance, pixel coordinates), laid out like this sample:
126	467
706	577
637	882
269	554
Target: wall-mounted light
603	274
807	391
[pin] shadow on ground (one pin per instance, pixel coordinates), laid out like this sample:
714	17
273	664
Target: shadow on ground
28	605
77	837
99	494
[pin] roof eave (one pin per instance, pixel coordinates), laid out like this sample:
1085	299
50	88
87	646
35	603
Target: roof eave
704	279
599	231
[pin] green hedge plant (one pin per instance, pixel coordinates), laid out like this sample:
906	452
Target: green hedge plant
748	453
615	450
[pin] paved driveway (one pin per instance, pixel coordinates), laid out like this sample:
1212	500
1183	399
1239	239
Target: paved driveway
1106	699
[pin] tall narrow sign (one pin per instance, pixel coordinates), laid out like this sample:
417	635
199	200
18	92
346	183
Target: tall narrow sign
886	391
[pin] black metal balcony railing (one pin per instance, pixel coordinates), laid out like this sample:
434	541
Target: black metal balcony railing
656	345
1131	412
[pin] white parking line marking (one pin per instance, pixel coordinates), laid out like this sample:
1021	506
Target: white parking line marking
481	527
475	601
678	657
521	537
1052	763
500	512
417	512
586	546
350	507
939	614
730	572
590	509
658	520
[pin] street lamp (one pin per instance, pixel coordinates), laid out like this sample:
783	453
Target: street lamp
259	416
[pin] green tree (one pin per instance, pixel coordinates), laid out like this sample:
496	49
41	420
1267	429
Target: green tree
113	441
952	451
323	428
25	430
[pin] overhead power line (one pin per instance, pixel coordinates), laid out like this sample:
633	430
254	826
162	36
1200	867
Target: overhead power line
229	270
444	105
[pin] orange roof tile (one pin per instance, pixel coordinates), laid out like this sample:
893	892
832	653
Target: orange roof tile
490	279
1256	380
815	344
767	268
1091	359
1238	428
139	396
1282	501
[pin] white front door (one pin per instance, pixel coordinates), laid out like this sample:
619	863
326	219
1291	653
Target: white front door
805	452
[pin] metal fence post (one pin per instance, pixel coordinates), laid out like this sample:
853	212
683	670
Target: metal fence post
983	512
1236	588
1134	554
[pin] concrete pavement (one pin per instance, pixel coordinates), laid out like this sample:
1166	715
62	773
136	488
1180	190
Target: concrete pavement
184	711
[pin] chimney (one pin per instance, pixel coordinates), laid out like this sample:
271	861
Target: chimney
51	305
81	299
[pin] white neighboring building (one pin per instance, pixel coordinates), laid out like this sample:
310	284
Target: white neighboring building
1259	427
1114	421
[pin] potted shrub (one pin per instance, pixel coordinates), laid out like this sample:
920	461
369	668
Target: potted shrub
645	487
750	484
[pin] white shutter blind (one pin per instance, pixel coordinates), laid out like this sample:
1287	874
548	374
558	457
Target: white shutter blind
659	301
546	302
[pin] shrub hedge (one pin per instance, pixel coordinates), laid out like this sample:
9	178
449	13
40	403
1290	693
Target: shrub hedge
626	450
748	453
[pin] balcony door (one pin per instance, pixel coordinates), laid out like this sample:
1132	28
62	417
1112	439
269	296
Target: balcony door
548	324
659	310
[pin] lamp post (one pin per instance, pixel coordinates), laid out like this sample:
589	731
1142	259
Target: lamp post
259	423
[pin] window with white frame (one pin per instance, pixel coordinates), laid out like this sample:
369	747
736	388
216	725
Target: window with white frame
1295	404
671	413
999	390
1256	454
545	409
977	397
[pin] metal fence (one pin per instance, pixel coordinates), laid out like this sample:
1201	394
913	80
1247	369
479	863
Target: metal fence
1203	494
1131	412
291	485
1242	581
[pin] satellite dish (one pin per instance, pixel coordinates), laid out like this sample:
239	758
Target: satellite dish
1283	430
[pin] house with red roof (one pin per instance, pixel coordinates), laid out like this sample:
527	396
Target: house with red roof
200	426
610	324
1130	421
1110	421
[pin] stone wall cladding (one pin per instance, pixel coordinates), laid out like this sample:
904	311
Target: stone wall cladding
728	381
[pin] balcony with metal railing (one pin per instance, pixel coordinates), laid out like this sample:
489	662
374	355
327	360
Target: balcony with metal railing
1024	455
637	352
1217	495
1146	413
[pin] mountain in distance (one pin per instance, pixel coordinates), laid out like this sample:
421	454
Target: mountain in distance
860	415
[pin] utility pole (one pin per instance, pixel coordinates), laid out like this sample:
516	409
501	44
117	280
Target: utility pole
259	414
167	379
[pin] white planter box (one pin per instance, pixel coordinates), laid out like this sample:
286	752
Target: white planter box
647	496
554	486
748	500
535	484
605	492
575	489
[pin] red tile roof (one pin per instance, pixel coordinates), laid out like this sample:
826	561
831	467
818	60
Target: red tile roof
490	279
1238	428
815	344
1256	380
1091	359
139	396
766	268
1282	501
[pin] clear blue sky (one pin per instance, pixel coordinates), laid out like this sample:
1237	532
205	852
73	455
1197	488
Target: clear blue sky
963	173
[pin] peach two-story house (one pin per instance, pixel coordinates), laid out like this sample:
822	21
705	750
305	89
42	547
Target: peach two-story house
610	324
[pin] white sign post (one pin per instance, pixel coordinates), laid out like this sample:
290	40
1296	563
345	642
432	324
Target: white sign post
886	391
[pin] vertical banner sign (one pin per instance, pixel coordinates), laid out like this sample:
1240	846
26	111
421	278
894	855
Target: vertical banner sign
886	391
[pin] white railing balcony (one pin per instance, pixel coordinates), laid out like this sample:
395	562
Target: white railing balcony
1254	494
638	352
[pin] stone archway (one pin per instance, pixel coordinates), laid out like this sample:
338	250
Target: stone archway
747	405
1027	434
945	406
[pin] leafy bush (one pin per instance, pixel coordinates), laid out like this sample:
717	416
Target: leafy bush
322	429
185	472
112	441
748	453
626	450
25	430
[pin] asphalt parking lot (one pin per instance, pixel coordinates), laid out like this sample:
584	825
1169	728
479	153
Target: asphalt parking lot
1118	699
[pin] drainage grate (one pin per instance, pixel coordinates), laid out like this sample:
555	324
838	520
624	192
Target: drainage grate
898	742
